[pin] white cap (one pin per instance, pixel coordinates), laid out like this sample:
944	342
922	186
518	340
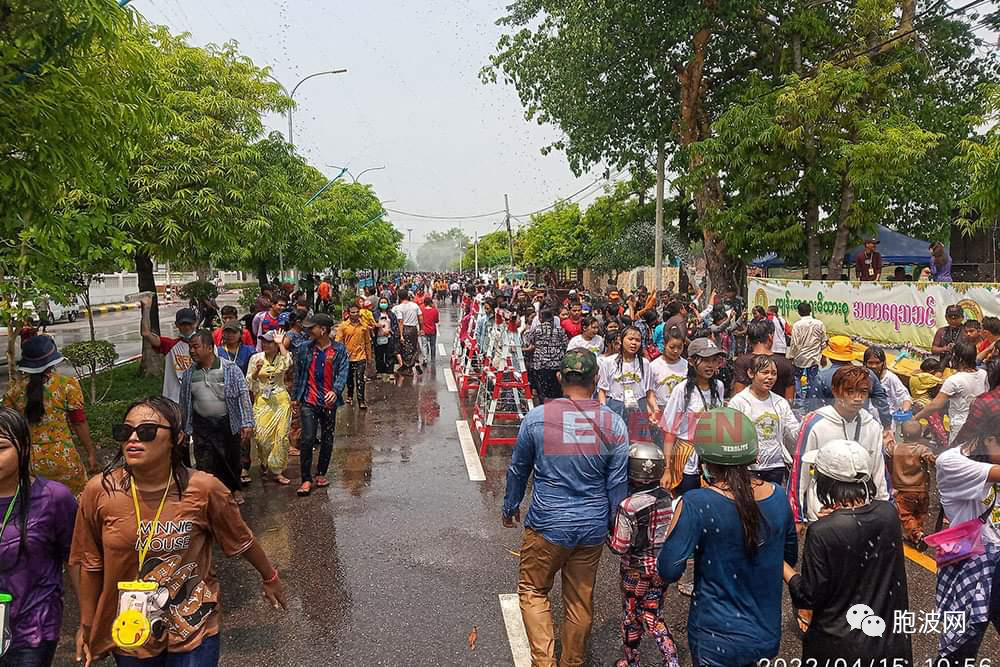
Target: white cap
842	460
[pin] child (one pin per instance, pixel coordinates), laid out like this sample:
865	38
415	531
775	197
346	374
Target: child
911	461
924	386
639	531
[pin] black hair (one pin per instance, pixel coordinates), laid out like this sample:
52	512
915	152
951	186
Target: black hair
804	309
715	400
671	309
673	333
993	374
964	353
759	310
229	310
14	427
930	365
650	317
834	492
992	325
759	362
587	320
758	332
740	483
874	352
205	336
954	310
639	355
171	412
611	338
34	408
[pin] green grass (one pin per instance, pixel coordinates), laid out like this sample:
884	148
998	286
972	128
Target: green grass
126	386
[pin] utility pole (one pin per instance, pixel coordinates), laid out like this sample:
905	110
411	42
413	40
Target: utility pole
409	231
510	239
661	160
476	246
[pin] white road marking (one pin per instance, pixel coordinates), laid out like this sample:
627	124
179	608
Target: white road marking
449	379
441	350
472	462
516	634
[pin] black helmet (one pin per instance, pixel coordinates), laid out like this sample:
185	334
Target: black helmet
645	463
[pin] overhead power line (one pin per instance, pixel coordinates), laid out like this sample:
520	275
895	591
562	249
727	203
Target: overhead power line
582	193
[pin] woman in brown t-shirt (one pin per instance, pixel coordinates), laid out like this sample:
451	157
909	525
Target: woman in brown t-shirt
189	510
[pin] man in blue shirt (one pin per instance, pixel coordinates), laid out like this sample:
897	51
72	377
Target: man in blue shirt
578	450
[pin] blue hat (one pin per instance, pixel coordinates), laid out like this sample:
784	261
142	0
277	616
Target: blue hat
38	354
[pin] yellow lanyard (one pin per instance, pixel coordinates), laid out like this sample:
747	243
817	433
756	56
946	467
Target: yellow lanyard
143	550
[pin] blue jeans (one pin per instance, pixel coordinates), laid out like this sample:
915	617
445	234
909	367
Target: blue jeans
30	656
324	421
807	394
206	655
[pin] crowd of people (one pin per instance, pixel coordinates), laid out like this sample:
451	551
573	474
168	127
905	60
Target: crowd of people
727	436
702	431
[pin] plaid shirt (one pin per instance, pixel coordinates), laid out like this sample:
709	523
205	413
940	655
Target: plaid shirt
965	588
987	404
639	551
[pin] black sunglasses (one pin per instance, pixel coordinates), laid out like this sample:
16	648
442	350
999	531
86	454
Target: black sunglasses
145	432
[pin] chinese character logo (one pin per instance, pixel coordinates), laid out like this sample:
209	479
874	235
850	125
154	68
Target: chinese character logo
862	617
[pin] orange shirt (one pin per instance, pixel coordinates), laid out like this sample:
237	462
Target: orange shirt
356	338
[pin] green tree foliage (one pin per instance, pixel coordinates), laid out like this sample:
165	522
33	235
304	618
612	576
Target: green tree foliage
493	251
89	358
556	239
442	250
980	163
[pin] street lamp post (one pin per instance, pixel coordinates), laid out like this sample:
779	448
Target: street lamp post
291	138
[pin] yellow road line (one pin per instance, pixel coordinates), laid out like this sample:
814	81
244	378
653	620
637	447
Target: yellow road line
923	560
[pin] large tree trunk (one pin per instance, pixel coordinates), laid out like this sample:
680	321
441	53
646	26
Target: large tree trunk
814	250
152	361
262	275
694	127
847	198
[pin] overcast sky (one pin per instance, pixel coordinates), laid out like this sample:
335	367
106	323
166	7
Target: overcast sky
411	100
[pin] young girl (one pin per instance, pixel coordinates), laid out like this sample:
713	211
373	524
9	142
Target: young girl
699	392
589	338
149	520
773	419
670	368
625	385
36	529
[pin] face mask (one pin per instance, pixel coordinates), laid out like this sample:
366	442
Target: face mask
383	306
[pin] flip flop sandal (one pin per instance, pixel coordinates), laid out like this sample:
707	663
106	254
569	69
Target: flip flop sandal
281	479
246	479
305	489
322	481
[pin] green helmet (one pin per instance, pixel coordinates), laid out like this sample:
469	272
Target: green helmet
725	436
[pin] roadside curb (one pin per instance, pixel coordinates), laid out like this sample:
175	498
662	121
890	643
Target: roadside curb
110	308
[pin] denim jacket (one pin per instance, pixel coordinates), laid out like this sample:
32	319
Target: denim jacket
237	397
579	480
303	359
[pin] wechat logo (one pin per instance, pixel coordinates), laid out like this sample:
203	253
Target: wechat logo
861	617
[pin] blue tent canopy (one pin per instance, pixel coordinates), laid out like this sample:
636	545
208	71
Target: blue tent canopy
896	248
768	261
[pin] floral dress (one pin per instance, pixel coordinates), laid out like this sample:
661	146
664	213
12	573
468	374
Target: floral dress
53	453
272	410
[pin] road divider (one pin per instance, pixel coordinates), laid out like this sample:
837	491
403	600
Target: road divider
472	462
449	379
441	350
517	636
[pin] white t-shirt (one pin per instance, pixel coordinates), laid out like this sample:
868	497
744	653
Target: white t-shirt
775	424
617	381
178	360
965	493
677	420
454	287
780	345
962	388
407	313
595	344
666	376
895	390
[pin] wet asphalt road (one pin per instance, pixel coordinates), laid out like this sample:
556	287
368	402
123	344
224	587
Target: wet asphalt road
402	555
